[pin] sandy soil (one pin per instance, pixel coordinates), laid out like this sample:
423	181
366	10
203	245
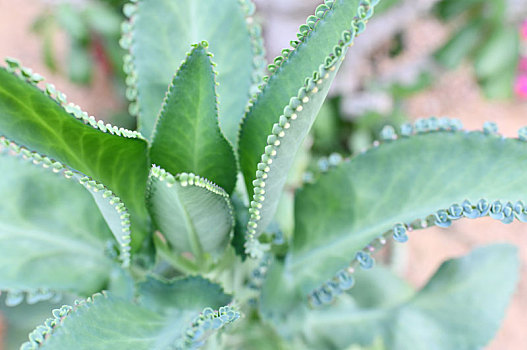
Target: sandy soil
454	95
17	41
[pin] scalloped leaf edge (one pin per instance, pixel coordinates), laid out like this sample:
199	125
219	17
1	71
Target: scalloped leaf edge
88	183
296	104
205	323
504	212
255	31
187	179
126	42
365	12
184	179
204	44
27	75
193	337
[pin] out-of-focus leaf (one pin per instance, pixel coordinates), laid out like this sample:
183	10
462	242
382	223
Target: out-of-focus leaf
80	64
447	9
460	44
500	51
460	308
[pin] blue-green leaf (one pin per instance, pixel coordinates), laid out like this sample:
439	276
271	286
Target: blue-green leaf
461	308
282	114
107	322
53	238
163	30
194	215
431	176
44	122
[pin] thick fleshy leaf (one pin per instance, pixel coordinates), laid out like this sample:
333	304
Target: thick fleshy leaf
277	160
107	322
114	212
52	236
19	320
435	176
317	40
282	114
379	288
190	293
34	120
194	215
187	136
163	30
461	307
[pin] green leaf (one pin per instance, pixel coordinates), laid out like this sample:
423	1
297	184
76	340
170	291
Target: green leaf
288	75
461	44
114	212
80	64
500	51
399	182
105	322
380	288
448	9
501	85
277	160
32	119
45	26
70	19
187	137
19	320
103	19
52	236
162	31
241	218
461	307
284	111
183	294
253	334
194	215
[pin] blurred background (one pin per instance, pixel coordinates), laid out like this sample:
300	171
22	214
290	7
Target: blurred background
464	59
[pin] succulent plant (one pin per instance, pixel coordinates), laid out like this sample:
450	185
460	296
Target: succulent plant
168	235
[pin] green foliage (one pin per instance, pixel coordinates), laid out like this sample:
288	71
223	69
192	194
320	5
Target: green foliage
487	38
115	157
93	31
155	224
153	40
195	215
435	317
349	198
189	123
53	238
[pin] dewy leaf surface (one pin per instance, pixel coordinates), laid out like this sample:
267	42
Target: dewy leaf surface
194	215
52	236
461	307
396	183
32	119
187	137
161	33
